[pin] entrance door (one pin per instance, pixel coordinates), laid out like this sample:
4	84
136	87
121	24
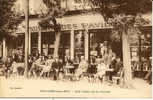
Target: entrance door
48	39
64	50
99	44
34	43
79	44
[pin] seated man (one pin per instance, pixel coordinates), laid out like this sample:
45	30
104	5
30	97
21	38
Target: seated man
118	67
118	72
83	66
61	69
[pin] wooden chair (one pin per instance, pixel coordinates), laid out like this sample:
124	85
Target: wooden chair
117	79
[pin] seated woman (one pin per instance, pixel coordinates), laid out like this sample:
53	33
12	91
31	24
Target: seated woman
101	70
83	66
47	67
37	66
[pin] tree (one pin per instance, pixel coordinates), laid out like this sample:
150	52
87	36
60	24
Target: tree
9	19
123	15
54	11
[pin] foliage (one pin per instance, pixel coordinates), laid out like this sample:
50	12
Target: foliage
132	24
123	14
9	18
54	11
127	7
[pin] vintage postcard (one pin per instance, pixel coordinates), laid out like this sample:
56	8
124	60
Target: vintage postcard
76	48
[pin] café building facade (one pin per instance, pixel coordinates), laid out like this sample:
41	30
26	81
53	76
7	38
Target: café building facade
75	35
81	34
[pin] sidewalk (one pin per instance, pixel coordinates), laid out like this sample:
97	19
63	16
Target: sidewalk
48	88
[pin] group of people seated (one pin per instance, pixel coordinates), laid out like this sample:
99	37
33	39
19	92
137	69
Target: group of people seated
47	66
105	63
99	69
43	66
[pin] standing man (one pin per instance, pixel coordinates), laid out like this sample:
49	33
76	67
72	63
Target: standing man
55	67
8	64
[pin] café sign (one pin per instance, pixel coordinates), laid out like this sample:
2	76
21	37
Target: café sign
71	26
85	26
71	23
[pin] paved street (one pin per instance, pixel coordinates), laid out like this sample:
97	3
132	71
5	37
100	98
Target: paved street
22	87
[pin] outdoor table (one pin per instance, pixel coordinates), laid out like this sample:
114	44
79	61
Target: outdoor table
19	64
75	65
42	66
110	69
67	69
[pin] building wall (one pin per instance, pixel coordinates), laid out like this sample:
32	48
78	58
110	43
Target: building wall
79	22
35	6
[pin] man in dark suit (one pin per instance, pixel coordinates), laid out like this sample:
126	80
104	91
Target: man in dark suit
55	67
8	64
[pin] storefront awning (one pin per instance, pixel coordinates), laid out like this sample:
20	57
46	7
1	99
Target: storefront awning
84	21
75	22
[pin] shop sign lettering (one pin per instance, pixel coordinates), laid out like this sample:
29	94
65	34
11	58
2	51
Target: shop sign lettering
70	27
85	26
